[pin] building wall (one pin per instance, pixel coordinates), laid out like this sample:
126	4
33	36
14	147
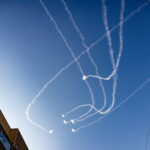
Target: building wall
4	123
13	134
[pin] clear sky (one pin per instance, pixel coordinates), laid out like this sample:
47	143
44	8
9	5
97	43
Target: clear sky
32	53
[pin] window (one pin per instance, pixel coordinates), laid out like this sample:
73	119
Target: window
4	141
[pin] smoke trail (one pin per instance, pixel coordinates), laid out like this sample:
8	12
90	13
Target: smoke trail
77	58
118	106
111	54
37	125
75	120
86	117
78	64
110	46
120	33
40	92
71	51
103	36
74	23
120	49
86	47
104	8
108	33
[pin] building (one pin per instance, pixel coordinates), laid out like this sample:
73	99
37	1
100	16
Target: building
10	139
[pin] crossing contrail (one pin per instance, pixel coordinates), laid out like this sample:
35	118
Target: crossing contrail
78	65
72	54
111	50
88	52
116	107
112	29
75	60
104	10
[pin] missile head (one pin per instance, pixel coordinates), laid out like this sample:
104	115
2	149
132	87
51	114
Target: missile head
73	130
84	77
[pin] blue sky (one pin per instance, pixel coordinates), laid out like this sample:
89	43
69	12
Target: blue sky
32	52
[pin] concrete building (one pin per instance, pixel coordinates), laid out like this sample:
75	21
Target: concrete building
10	139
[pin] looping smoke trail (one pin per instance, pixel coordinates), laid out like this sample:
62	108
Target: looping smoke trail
111	53
116	26
76	59
110	50
72	53
118	106
40	92
86	47
76	108
78	65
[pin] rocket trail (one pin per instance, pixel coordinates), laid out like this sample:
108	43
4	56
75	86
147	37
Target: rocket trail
75	59
78	64
72	54
86	47
115	27
111	53
118	106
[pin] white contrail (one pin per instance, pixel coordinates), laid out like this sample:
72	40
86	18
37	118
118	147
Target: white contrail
37	125
86	117
118	106
111	49
125	20
120	33
71	51
122	8
86	47
115	27
74	23
75	120
111	52
40	92
77	58
104	8
78	64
